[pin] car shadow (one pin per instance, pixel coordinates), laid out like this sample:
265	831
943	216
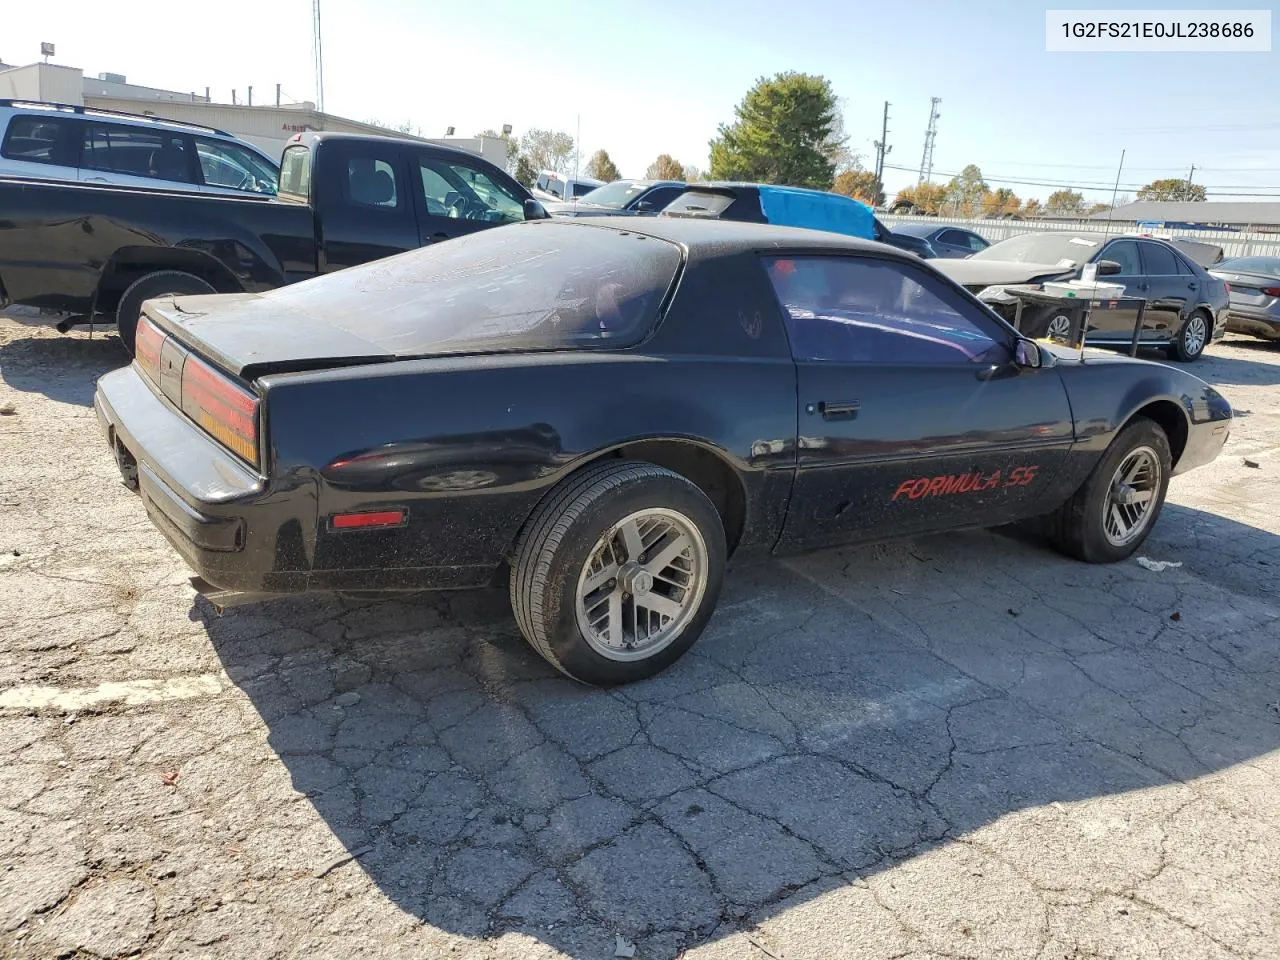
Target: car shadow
63	367
1238	370
843	713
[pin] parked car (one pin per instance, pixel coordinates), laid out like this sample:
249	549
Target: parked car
99	252
1253	286
791	207
50	141
402	426
621	198
1186	307
553	187
944	241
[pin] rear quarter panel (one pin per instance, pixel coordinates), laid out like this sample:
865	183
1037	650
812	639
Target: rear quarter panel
471	444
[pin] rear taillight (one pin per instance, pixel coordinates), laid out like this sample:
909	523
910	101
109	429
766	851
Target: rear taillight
226	412
1271	291
148	340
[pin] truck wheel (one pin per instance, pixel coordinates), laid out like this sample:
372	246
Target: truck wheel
1191	339
159	284
618	572
1112	513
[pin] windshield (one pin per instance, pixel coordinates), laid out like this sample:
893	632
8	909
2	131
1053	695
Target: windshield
1043	248
614	195
1265	266
536	286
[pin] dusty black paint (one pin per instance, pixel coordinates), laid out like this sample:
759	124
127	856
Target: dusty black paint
470	444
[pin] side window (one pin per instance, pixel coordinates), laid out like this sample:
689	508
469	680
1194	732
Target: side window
865	310
461	191
541	183
229	165
1183	269
582	189
371	182
1159	260
1125	253
35	140
975	242
659	197
953	237
137	153
295	171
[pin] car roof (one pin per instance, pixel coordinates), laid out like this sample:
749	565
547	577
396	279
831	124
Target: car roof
317	136
709	234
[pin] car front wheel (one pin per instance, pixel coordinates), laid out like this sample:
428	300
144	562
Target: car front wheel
618	572
1112	513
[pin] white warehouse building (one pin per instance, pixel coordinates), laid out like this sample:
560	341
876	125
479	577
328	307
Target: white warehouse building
268	126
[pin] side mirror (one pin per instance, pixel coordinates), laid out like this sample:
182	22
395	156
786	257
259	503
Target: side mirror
1108	268
1027	354
643	206
533	210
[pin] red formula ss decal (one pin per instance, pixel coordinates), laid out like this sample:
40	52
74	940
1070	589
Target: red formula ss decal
946	486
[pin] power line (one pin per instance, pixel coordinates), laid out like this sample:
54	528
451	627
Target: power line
1228	189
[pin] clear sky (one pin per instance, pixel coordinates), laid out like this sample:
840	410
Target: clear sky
658	76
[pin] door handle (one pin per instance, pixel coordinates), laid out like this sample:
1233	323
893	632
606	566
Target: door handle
439	235
839	409
1191	286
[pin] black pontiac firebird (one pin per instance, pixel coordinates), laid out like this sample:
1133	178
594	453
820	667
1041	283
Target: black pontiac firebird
612	408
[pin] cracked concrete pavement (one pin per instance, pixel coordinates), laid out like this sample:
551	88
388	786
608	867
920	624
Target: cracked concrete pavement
960	746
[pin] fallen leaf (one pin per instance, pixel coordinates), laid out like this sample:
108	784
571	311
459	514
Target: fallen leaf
1158	566
1247	462
1014	613
169	778
1175	615
623	948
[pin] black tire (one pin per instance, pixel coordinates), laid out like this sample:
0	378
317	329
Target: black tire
1180	350
1076	528
159	284
1036	326
557	541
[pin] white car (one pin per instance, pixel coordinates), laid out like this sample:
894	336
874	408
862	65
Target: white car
49	141
554	187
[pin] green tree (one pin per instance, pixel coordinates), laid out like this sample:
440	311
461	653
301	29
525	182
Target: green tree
526	173
547	149
1064	203
1173	188
786	131
666	167
602	167
1000	203
861	185
923	197
968	190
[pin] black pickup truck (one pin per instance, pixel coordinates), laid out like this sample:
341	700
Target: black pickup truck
97	252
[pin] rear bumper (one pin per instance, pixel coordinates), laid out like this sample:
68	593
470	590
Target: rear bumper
236	530
1257	323
210	506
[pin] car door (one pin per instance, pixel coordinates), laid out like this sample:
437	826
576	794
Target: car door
1167	291
654	199
912	416
1117	325
127	156
228	168
364	207
457	197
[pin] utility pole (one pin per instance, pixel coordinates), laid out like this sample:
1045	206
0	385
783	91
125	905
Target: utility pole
930	135
319	53
1190	173
882	150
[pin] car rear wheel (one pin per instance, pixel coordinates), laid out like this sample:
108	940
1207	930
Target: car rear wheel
162	283
1112	513
1049	322
618	572
1191	340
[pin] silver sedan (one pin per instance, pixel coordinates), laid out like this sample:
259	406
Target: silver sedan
1253	284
